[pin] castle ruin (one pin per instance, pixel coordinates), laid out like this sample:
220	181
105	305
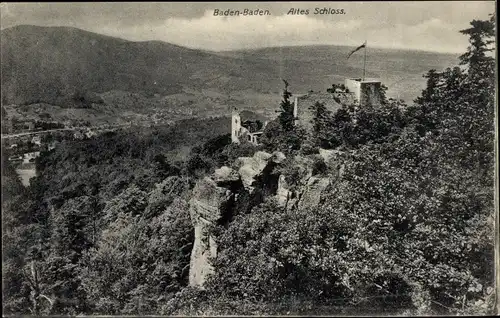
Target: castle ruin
366	91
249	129
357	91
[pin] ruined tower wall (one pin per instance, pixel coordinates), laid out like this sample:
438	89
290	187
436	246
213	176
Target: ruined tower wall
235	127
365	92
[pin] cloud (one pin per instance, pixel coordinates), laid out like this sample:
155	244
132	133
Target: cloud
224	33
425	25
219	33
430	35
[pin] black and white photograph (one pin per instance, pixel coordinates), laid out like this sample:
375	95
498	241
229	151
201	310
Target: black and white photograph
249	158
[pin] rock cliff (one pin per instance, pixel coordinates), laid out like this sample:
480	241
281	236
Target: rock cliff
217	198
213	202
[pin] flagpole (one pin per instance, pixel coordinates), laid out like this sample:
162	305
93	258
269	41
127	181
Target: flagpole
364	62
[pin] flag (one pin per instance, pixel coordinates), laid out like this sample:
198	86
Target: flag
356	49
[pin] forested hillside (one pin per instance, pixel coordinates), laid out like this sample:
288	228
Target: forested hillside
89	194
405	226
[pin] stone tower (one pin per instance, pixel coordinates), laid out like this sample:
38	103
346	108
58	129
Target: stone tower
235	126
366	92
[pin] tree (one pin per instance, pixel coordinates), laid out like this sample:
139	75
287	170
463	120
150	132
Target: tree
481	37
276	138
383	94
286	116
353	127
283	134
37	297
429	93
131	201
140	261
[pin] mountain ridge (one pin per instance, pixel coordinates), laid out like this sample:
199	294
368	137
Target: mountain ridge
52	64
235	50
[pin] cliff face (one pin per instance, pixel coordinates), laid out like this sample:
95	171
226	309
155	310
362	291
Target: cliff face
213	202
207	206
216	199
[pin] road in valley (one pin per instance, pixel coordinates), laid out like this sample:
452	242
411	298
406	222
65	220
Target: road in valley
8	136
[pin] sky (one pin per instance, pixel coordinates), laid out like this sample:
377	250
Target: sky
421	25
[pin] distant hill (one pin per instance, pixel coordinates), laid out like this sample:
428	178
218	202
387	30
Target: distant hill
50	64
42	63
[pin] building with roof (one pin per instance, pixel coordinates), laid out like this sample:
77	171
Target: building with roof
78	135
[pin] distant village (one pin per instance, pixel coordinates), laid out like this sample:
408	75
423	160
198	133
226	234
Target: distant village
24	140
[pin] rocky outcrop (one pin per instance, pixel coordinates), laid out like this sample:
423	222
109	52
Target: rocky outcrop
225	175
208	205
284	195
327	155
311	195
334	159
249	168
216	199
204	248
307	192
213	201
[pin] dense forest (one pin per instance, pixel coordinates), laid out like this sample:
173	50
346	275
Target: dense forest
408	228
